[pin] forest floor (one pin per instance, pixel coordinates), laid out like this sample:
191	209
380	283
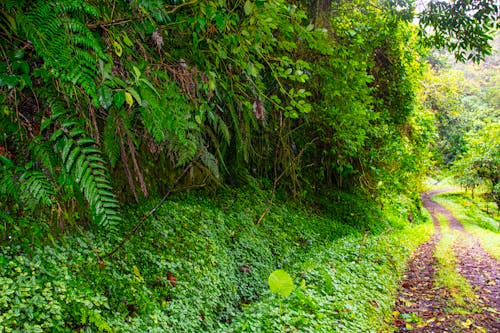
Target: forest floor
451	283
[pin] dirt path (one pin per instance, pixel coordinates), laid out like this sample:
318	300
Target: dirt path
423	307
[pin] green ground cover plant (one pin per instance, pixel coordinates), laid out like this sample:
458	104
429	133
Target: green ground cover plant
348	286
203	266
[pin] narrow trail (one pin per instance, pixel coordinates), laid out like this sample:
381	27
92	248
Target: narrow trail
424	307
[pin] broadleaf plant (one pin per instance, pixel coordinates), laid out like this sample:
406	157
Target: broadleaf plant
280	283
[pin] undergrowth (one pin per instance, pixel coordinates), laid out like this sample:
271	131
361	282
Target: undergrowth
200	265
347	286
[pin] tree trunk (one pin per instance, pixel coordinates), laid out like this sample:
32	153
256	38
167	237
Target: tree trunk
322	10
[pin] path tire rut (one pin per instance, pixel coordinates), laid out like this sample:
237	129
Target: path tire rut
421	306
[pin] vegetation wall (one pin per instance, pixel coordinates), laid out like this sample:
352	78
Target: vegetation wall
105	103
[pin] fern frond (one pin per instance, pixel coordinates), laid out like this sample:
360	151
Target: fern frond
8	186
36	189
219	135
76	6
42	152
62	39
82	160
219	126
10	4
210	162
186	152
31	188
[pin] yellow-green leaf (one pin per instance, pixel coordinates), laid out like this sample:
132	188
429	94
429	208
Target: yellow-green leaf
138	274
280	283
129	99
198	119
248	8
118	48
137	72
467	323
135	95
126	40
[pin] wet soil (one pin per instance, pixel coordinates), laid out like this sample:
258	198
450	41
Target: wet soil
423	307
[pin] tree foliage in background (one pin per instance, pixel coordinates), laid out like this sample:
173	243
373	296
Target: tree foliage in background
463	98
463	27
480	164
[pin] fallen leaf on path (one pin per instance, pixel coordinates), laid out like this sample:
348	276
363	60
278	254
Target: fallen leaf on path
467	323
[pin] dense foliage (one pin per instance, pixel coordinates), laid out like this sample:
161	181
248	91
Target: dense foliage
480	164
461	26
463	98
465	101
99	100
108	106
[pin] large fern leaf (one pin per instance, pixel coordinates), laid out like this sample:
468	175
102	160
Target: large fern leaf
36	189
83	161
8	187
210	162
61	38
42	153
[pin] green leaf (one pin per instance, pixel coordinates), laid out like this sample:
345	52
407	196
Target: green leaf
8	80
136	96
105	97
25	81
126	39
198	119
248	8
19	54
150	86
280	283
137	72
21	65
129	99
119	98
46	122
118	48
68	145
72	157
85	141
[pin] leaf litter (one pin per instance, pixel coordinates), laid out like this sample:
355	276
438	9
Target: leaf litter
424	307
